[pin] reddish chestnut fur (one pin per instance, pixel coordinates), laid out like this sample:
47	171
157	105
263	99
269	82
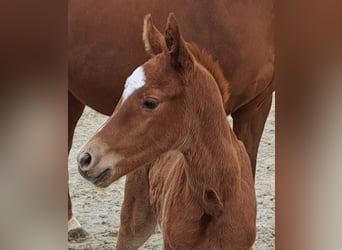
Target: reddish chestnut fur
104	48
186	168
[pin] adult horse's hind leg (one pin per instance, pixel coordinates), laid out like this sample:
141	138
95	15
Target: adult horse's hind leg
249	123
75	110
138	220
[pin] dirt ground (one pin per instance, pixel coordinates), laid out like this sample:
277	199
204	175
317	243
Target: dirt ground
98	210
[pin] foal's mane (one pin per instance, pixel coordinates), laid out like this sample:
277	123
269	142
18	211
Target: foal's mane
207	61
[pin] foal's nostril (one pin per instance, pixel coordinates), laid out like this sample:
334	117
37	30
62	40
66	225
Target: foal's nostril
84	160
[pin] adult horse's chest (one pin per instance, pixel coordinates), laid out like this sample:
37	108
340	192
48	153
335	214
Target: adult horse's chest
178	213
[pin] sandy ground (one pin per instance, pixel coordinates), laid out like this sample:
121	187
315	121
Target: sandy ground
98	210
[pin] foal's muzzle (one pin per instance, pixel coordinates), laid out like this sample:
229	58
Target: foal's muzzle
85	168
84	161
97	163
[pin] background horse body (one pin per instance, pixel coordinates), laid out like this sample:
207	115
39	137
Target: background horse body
105	47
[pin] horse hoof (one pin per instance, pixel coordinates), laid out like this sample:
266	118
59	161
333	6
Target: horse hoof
75	231
77	235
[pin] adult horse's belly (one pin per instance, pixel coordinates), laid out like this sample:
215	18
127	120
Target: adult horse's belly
105	43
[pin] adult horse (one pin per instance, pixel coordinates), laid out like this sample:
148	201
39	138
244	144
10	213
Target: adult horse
105	47
199	190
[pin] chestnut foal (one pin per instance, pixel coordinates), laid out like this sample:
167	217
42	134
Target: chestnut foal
169	134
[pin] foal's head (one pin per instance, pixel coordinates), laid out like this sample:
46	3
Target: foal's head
161	105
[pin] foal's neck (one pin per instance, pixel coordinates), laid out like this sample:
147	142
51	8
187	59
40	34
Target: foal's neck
212	158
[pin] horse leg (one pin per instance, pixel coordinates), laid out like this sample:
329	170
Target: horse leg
75	110
138	220
249	123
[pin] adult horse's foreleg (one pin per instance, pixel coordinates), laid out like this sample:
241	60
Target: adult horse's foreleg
138	220
75	110
249	123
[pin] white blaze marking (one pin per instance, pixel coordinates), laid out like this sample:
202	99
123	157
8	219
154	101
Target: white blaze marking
135	81
73	224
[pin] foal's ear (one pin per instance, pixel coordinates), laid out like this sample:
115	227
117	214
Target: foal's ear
153	39
180	56
212	203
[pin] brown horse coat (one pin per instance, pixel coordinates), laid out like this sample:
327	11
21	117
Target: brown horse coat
105	47
195	175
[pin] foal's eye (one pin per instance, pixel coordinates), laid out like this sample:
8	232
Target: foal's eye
150	103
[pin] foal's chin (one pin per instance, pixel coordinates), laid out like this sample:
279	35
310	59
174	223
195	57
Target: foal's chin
101	176
106	178
105	182
111	174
